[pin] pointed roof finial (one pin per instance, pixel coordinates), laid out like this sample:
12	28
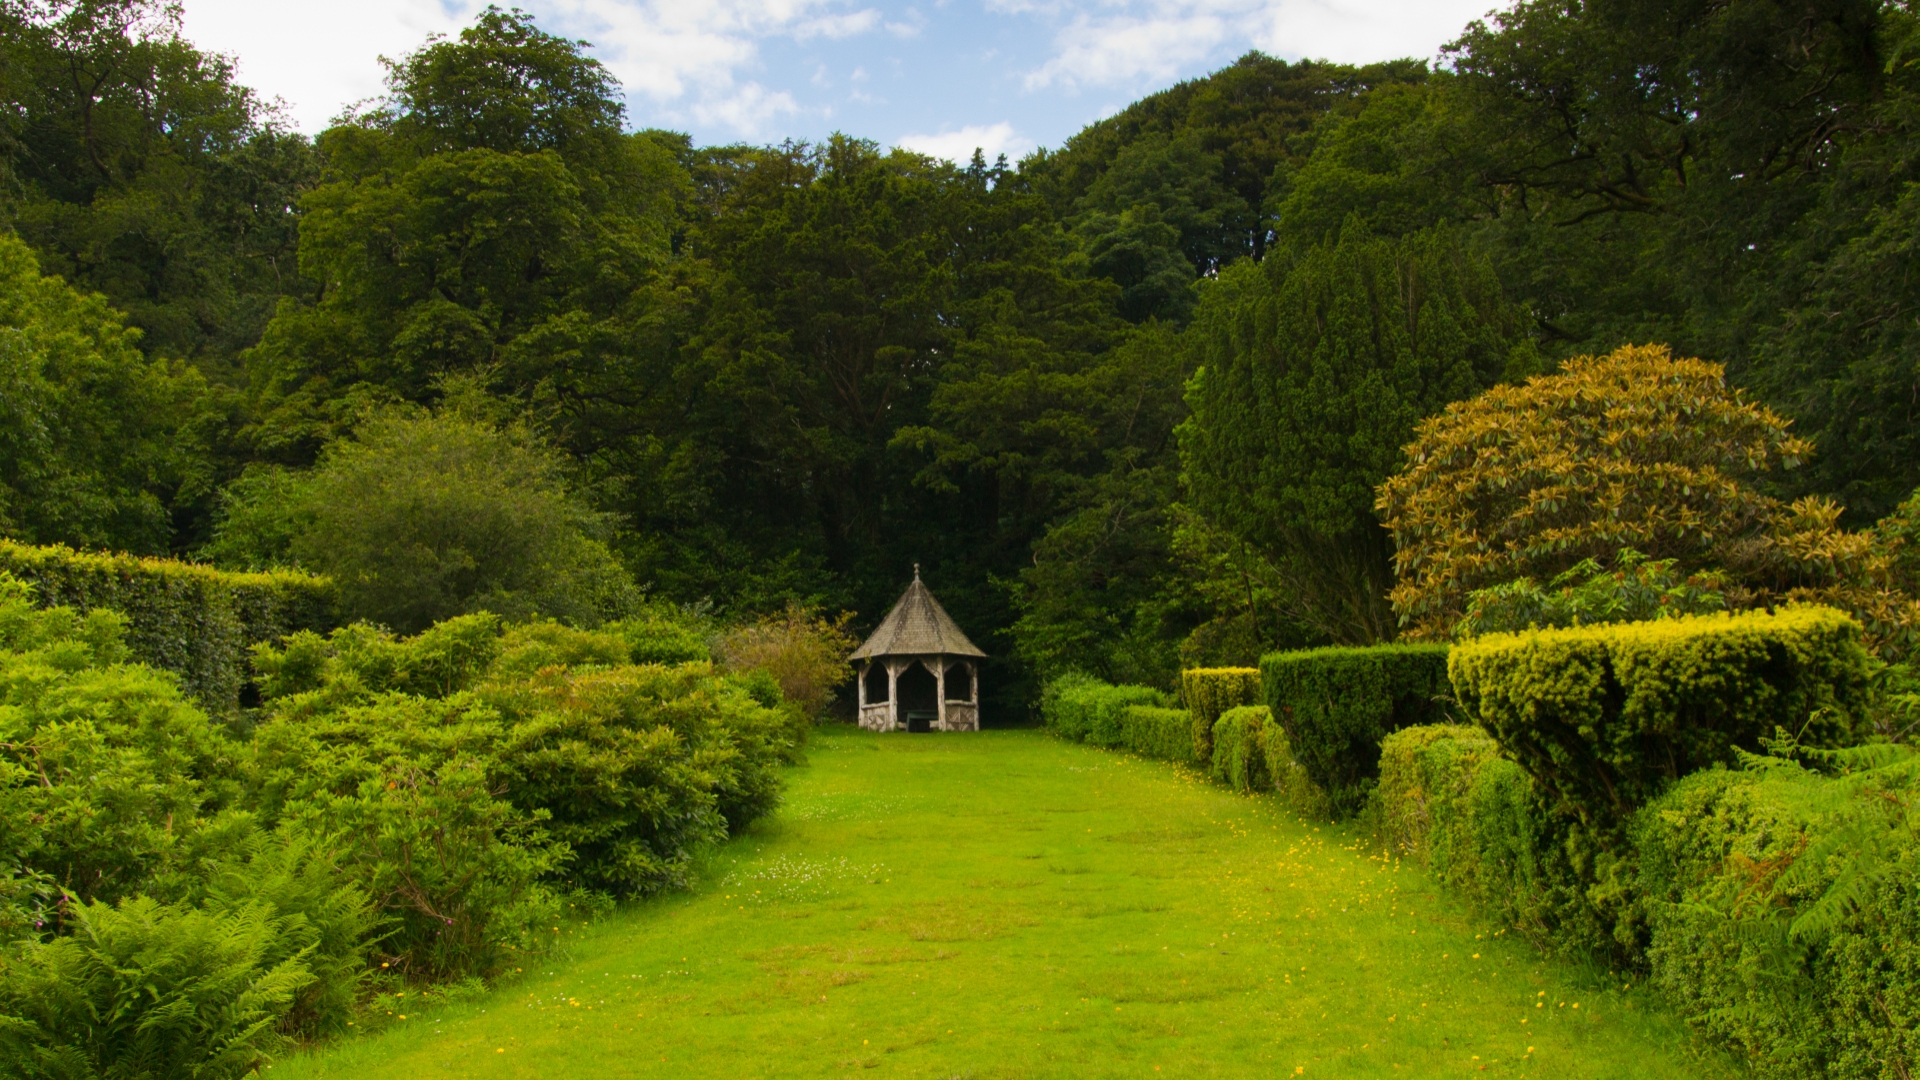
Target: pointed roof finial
916	571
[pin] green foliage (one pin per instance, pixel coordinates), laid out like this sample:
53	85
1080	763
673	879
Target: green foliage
421	518
802	651
1157	732
194	621
148	989
108	775
425	801
1450	801
97	443
1633	590
1203	154
1209	693
658	635
139	169
1084	709
562	760
1604	718
1239	748
1779	906
1311	375
1336	704
490	211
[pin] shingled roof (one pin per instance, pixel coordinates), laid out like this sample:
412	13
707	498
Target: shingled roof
917	626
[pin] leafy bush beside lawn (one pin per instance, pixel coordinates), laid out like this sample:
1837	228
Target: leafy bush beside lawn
412	809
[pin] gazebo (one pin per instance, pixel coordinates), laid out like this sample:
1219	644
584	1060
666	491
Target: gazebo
918	672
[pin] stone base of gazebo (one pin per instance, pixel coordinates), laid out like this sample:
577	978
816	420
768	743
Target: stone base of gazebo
957	716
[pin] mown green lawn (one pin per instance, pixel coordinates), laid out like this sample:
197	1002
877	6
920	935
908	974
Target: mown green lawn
1007	905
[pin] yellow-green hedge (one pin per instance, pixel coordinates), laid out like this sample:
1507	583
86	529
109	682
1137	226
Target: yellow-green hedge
195	621
1155	732
1209	692
1605	717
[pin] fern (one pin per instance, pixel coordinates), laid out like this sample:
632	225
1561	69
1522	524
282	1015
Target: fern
1871	802
145	989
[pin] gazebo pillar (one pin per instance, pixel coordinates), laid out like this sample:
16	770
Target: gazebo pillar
940	690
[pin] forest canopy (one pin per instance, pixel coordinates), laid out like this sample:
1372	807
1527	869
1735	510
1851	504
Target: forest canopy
1127	401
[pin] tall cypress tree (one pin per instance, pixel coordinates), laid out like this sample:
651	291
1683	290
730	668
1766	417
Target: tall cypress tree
1309	377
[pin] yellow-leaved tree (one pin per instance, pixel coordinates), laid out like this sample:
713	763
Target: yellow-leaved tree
1638	449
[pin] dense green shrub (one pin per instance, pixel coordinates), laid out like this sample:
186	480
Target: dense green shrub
1157	732
1208	692
108	775
430	802
1336	704
1084	709
1240	750
401	783
1448	800
661	636
420	517
559	763
1605	717
194	621
1782	910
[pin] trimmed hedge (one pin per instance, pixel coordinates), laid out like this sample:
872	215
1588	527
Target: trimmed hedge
1157	732
1240	748
195	621
1605	717
1209	692
1338	703
1776	908
1084	709
1449	801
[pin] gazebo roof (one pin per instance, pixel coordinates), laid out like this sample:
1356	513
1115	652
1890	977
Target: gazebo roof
917	626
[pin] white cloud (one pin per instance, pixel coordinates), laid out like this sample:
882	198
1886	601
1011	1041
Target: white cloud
318	66
837	26
746	109
1363	31
680	53
958	146
1113	49
1112	42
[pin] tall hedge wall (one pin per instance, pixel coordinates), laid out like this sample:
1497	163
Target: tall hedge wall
194	621
1336	704
1209	692
1605	717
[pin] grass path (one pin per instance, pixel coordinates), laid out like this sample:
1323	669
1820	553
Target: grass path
1006	905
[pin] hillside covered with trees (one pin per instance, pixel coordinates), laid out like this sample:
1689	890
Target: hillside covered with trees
480	346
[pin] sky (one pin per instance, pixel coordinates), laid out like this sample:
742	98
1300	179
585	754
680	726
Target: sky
939	76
